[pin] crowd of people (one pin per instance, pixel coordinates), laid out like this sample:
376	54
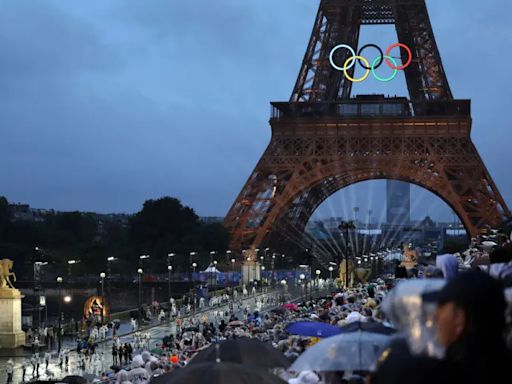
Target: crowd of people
464	293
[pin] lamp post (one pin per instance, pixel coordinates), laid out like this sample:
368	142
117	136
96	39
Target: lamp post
37	287
169	270
141	260
194	266
210	266
140	273
110	259
70	263
330	272
102	276
233	269
215	272
301	279
283	285
346	226
318	272
59	332
191	255
272	273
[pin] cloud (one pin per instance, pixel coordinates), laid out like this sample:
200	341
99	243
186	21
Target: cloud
106	104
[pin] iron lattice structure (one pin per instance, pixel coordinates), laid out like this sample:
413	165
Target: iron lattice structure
324	140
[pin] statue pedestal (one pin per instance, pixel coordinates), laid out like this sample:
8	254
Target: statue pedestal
11	335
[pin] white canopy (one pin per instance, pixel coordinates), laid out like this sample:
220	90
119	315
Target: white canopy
211	269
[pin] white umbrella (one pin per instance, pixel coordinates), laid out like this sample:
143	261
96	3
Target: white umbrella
353	351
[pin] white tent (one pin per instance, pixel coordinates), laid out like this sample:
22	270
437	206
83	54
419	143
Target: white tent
211	269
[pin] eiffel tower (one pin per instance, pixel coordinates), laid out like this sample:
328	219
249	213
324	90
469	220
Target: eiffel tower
324	140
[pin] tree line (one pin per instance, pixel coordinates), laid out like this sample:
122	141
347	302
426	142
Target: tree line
161	227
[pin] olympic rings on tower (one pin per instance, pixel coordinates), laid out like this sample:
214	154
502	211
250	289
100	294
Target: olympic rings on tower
391	62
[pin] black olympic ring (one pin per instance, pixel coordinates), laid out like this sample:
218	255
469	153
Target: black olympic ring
381	55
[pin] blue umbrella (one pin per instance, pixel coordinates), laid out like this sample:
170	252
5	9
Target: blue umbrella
312	329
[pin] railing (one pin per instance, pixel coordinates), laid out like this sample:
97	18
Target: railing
356	108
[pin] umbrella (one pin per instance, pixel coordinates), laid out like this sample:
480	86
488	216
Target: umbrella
74	379
291	306
243	351
312	329
367	327
352	351
235	323
278	311
157	351
89	377
217	373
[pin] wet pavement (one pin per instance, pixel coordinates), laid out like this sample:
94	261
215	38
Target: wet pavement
156	333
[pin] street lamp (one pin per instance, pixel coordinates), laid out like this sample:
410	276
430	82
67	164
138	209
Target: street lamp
142	258
215	272
140	272
301	278
210	269
283	286
318	272
169	270
346	226
70	263
59	335
102	276
330	271
233	269
110	260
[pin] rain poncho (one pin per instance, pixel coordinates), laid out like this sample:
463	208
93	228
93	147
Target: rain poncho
449	264
138	374
405	308
122	377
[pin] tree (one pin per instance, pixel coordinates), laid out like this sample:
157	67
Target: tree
4	217
165	225
163	222
68	228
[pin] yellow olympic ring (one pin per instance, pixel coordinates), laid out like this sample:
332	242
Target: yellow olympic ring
347	63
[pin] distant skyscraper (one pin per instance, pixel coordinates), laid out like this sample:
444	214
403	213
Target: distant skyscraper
398	196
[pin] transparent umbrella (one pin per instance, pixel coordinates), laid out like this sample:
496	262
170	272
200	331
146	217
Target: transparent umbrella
354	351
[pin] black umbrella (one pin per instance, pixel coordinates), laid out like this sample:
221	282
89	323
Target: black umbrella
217	373
243	351
397	365
279	311
74	379
368	327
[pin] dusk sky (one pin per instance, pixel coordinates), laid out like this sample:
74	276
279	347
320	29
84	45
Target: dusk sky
104	104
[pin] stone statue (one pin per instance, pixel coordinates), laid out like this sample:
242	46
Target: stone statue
360	274
343	272
11	334
5	274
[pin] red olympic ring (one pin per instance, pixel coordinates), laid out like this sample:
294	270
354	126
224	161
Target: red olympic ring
408	52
